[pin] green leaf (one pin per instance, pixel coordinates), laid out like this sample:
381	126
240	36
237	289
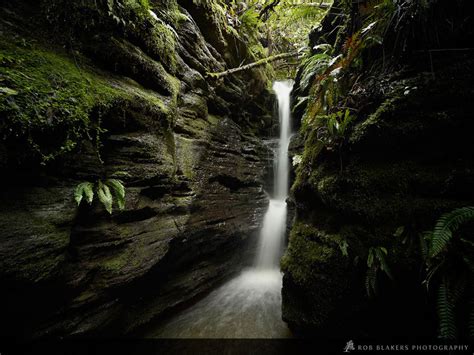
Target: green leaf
118	190
7	91
324	47
446	225
445	306
105	196
399	231
84	189
371	281
343	247
424	237
370	257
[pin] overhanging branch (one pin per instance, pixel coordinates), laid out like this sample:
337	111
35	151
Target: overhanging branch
252	65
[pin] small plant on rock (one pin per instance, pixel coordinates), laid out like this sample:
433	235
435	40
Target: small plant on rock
376	262
108	192
448	252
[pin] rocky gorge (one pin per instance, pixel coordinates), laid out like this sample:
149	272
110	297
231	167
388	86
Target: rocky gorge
188	150
145	181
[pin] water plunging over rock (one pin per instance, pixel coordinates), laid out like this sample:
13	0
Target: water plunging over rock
274	224
248	306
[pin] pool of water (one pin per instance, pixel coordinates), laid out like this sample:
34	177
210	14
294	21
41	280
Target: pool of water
248	306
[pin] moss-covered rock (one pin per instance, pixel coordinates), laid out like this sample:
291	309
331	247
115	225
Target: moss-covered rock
403	161
95	89
51	101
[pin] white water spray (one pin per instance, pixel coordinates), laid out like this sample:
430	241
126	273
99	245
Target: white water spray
274	223
283	90
249	306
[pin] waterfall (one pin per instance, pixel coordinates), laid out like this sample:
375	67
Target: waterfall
283	90
274	223
248	306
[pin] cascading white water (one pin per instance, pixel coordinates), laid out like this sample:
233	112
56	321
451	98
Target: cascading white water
283	90
248	306
274	223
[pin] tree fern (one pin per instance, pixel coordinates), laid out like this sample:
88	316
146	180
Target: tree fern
446	225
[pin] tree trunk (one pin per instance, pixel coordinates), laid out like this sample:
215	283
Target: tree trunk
252	65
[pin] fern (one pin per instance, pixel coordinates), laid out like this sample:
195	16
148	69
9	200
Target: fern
118	190
452	266
380	254
343	246
446	225
303	12
371	281
424	238
107	191
103	192
84	189
312	67
447	324
376	260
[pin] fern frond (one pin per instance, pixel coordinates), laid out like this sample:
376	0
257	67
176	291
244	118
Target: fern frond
118	190
103	192
370	258
343	247
84	189
380	253
446	225
306	13
425	238
312	67
371	281
447	324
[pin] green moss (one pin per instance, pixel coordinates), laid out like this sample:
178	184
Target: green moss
187	156
305	249
171	9
161	41
86	296
213	120
118	262
53	99
389	106
313	147
79	20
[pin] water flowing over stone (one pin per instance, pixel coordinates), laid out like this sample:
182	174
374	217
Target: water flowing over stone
248	306
274	224
283	90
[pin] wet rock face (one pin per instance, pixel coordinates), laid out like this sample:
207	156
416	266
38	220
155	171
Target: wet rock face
405	161
194	174
403	166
